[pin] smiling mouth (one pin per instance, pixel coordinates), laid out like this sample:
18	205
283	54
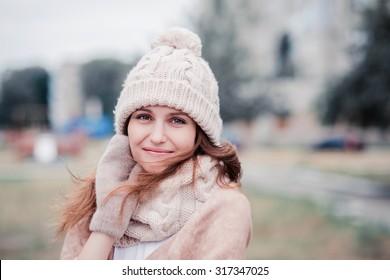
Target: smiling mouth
157	151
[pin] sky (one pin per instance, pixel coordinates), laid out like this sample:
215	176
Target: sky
49	33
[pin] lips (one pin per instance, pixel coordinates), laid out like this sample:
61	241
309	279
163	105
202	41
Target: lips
155	151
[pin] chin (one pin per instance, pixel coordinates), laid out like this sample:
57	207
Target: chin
154	168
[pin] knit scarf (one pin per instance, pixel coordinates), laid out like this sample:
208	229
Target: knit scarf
175	200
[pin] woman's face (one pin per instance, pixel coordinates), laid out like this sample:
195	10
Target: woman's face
158	133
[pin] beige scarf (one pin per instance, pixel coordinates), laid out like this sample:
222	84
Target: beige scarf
175	201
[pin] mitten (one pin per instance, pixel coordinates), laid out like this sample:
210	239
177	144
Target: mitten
113	168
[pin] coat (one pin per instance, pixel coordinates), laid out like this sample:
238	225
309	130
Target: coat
220	229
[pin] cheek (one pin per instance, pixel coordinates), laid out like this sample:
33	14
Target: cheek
186	140
131	142
134	143
134	135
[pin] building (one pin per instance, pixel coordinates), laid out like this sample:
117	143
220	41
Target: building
67	98
297	47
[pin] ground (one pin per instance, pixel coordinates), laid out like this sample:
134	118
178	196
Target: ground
284	227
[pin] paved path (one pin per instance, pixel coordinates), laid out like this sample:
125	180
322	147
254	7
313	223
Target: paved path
349	196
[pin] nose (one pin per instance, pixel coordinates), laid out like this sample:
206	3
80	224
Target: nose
157	135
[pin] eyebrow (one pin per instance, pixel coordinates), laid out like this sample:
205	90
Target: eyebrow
172	113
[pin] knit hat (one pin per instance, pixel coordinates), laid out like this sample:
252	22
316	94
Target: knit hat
173	74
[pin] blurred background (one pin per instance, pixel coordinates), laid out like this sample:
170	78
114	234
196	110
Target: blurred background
305	97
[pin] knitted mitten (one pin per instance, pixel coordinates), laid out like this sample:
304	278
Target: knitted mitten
113	168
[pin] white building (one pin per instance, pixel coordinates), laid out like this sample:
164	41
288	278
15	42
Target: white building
319	34
67	99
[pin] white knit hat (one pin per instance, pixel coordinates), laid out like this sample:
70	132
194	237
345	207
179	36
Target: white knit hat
173	74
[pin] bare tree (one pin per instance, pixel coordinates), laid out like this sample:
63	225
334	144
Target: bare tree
219	27
362	97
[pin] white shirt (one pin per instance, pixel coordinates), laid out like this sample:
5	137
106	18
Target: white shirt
139	251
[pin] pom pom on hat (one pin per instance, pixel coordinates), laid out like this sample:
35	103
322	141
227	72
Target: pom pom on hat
169	76
179	38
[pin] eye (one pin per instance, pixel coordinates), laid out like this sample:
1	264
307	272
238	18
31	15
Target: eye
178	121
143	117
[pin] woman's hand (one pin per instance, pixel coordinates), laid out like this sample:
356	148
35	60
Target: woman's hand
108	221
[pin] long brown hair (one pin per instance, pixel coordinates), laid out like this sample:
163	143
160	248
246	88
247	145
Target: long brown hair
81	202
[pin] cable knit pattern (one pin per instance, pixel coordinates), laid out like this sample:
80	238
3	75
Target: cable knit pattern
220	229
114	167
173	74
175	200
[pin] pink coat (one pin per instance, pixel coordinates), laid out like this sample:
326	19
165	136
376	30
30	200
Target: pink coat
221	229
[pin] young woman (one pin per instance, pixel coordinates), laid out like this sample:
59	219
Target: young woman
166	186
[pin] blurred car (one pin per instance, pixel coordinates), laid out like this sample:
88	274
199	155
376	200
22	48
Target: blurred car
340	143
45	146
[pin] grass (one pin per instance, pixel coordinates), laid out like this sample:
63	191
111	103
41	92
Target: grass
26	220
29	192
291	228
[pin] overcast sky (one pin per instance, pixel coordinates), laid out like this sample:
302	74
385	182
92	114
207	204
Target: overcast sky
51	32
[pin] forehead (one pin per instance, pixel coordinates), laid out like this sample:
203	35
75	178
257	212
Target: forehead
161	109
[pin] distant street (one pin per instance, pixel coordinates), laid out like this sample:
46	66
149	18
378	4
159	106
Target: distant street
349	196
